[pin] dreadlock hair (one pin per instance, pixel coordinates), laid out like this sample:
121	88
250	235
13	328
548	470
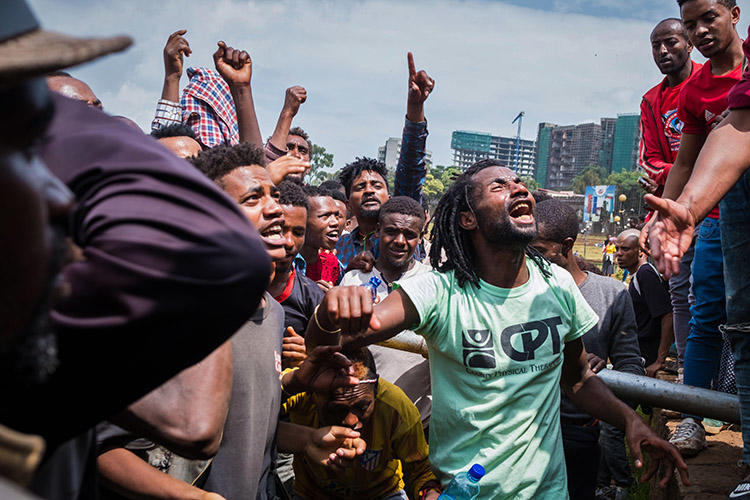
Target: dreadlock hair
174	130
453	242
220	160
290	193
355	169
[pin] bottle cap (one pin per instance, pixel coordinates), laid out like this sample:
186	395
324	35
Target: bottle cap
476	472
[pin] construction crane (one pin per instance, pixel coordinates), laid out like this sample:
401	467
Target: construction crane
519	119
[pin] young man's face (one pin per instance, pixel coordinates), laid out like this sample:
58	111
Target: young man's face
298	147
503	207
342	215
349	406
322	223
258	198
670	47
368	193
399	236
710	25
294	227
628	252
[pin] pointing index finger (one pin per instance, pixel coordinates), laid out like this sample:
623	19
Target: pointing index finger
412	69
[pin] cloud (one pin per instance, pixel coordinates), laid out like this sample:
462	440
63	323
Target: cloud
490	60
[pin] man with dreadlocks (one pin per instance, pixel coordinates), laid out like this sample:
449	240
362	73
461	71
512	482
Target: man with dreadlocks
503	328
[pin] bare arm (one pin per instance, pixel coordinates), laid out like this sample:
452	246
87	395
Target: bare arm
186	413
236	67
722	161
177	47
350	310
667	337
295	96
589	393
690	147
128	475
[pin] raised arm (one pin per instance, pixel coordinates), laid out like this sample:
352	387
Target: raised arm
349	312
236	67
168	109
412	169
187	413
295	96
589	393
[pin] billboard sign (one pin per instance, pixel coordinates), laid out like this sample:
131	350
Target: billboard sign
599	204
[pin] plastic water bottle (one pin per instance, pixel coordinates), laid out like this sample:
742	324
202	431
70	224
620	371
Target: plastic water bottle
373	285
464	486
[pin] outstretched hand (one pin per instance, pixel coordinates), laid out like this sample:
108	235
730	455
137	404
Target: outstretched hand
177	47
234	66
420	83
335	447
670	234
641	437
286	165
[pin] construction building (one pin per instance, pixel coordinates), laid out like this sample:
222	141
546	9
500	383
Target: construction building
391	150
572	148
608	142
470	147
542	152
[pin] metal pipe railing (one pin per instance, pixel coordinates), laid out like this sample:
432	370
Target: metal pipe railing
629	387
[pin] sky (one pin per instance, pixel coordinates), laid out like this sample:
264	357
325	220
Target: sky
560	61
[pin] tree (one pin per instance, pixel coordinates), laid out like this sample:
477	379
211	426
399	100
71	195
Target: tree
626	182
593	175
321	164
531	183
433	189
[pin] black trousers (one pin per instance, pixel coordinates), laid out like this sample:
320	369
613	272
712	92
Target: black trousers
581	445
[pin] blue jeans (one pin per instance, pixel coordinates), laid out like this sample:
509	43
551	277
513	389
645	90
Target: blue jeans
735	241
679	290
703	350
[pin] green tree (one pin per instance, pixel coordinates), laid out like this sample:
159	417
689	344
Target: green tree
531	183
593	175
321	164
626	182
433	189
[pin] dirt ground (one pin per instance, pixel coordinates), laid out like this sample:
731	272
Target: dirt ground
714	471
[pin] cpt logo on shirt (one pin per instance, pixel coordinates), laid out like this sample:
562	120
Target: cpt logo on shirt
479	347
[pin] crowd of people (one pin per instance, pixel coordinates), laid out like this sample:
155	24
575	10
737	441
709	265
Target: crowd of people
186	316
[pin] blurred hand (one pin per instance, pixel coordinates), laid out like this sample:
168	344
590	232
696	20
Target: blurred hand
648	184
596	363
293	351
335	447
653	368
349	308
363	261
324	369
284	166
640	436
324	285
234	66
669	235
177	47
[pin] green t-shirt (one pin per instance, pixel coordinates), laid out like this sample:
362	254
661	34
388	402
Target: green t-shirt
495	362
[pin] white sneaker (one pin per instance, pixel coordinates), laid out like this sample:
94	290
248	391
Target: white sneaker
689	437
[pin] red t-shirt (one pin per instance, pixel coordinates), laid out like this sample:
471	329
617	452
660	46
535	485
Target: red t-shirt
702	100
670	97
739	97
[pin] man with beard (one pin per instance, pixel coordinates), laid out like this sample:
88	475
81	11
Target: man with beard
503	329
365	179
316	260
399	233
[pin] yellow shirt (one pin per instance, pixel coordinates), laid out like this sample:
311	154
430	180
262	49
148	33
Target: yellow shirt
394	438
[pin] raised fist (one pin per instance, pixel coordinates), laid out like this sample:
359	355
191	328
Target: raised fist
234	66
295	96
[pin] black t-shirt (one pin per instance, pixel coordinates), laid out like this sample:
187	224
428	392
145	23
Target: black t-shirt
651	301
300	304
